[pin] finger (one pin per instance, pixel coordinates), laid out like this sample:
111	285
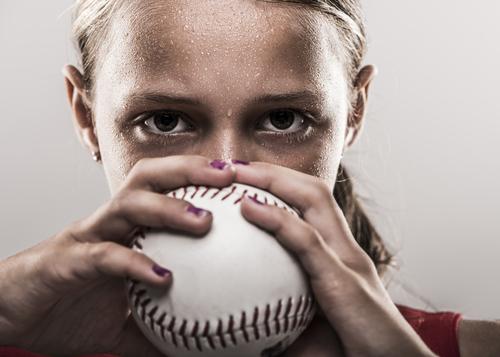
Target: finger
162	174
308	194
90	261
118	219
296	235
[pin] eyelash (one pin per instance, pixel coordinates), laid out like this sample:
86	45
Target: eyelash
290	137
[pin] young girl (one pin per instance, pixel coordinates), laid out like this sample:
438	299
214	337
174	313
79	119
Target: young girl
172	93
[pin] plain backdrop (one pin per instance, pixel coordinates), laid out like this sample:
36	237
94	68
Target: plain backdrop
427	163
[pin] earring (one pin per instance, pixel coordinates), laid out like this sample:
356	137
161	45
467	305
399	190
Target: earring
96	155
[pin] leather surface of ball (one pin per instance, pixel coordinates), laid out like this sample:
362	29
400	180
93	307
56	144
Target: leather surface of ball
235	291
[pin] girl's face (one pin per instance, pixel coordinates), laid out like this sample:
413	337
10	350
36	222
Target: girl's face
226	79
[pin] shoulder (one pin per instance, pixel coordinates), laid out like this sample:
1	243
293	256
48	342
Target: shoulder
479	338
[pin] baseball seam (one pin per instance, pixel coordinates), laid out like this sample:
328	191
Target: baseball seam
226	333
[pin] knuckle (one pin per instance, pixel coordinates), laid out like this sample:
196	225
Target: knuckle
362	264
139	168
134	258
120	204
320	190
312	240
99	252
366	265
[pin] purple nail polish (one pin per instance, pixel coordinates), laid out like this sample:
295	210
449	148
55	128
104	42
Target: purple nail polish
253	198
218	164
200	212
240	162
161	271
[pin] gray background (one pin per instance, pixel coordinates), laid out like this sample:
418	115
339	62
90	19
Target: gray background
426	162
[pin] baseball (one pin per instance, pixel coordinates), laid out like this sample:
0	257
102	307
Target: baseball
235	291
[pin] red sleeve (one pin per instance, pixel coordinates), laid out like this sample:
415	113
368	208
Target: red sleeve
14	352
437	329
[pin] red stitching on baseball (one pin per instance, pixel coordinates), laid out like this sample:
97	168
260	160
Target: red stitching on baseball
276	317
243	326
204	193
216	193
230	329
194	334
221	334
195	190
287	313
171	329
266	320
206	334
182	332
241	197
151	315
159	322
294	324
306	307
229	194
254	322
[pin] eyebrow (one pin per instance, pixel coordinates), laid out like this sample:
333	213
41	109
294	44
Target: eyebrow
163	98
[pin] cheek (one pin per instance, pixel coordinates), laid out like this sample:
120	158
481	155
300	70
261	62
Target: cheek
319	157
118	156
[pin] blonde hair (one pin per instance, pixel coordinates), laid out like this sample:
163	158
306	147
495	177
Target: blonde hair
91	25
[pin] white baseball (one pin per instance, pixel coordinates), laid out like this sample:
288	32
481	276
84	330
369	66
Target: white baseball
235	292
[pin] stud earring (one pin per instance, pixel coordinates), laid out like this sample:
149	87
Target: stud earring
96	155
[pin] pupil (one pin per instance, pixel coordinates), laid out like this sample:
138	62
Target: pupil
166	121
282	120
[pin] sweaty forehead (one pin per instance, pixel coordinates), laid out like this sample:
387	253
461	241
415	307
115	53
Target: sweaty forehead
223	42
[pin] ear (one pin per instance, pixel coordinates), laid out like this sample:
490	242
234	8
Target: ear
80	107
360	95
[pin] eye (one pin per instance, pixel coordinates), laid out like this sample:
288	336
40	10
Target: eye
283	121
166	122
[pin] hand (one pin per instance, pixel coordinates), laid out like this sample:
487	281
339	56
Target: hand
343	278
66	295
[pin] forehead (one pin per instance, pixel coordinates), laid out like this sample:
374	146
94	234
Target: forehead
238	45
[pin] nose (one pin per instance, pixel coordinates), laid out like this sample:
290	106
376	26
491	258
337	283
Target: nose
227	144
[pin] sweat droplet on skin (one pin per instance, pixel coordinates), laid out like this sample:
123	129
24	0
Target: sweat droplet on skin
229	112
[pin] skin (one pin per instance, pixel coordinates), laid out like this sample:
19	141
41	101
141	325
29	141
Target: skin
223	61
224	67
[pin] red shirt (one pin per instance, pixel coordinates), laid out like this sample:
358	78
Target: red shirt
437	329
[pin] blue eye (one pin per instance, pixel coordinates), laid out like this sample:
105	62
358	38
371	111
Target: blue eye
166	123
283	121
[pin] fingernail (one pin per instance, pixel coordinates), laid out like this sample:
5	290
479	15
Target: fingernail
200	212
161	271
254	199
240	162
219	164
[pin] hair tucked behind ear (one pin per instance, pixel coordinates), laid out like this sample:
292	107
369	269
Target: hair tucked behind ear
362	229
